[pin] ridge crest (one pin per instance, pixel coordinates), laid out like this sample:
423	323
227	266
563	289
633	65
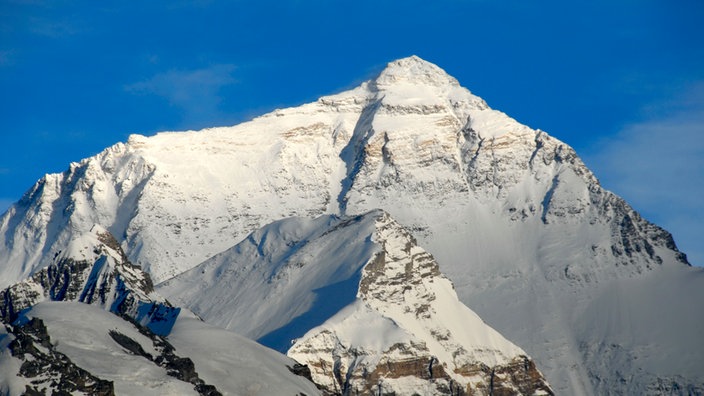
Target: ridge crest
416	71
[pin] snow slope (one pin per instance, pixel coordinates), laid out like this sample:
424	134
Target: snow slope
114	350
360	303
531	241
281	280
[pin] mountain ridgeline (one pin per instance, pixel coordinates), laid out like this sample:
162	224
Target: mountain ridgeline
365	235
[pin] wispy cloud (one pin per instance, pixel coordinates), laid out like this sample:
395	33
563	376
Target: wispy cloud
658	167
195	92
53	28
5	204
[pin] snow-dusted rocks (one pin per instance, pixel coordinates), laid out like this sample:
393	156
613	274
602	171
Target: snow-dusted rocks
520	225
361	304
93	270
408	333
82	349
61	207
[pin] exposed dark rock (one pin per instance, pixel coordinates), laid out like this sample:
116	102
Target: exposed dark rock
109	280
301	370
48	368
178	367
129	344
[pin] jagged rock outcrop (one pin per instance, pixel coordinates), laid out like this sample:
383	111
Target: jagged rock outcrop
424	340
93	270
46	368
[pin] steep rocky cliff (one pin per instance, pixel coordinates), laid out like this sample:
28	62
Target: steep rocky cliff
93	270
408	333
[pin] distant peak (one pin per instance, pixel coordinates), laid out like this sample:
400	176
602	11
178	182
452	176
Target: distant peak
414	70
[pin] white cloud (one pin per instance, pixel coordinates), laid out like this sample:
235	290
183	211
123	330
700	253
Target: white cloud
5	204
194	92
53	28
658	167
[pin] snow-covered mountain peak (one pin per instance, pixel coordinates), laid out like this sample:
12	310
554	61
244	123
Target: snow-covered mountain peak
412	85
327	283
414	70
519	224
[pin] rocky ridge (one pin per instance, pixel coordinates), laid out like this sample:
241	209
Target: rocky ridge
78	348
48	369
93	270
425	341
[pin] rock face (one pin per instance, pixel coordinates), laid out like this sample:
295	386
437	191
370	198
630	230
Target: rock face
93	270
424	340
361	304
523	229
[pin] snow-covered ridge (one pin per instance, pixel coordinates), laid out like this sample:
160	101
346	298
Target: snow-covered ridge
378	297
281	280
93	270
425	340
83	350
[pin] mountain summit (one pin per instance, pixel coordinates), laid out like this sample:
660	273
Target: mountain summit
531	241
416	71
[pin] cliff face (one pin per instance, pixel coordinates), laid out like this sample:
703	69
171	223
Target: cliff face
407	333
94	270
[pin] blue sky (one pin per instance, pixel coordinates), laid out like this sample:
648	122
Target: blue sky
620	81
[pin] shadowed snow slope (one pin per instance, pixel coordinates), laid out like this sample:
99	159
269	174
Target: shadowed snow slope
531	241
388	319
281	280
